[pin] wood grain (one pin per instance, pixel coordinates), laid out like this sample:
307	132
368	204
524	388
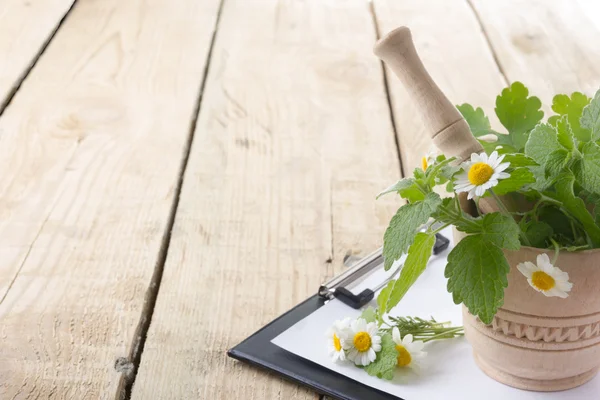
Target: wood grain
449	40
293	142
90	153
551	46
25	27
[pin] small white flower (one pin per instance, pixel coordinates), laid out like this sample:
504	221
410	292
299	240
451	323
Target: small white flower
336	340
546	278
480	174
363	342
410	354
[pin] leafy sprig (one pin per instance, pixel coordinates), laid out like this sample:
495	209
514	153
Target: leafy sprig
553	198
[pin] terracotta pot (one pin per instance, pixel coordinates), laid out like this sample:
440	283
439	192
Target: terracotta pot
537	342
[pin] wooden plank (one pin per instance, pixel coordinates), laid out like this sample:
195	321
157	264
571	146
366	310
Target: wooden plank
551	46
90	153
25	27
293	142
454	50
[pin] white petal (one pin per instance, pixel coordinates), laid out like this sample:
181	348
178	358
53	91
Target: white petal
396	335
471	194
365	358
342	356
376	347
372	329
527	268
493	159
501	167
502	175
416	346
372	355
475	158
479	191
407	339
376	339
555	292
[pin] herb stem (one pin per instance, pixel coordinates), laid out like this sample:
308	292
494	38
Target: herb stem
448	334
556	251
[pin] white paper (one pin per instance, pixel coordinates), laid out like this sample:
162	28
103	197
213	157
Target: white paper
449	371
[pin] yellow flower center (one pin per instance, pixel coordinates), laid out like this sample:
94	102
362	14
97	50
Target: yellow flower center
542	280
404	357
480	173
336	343
362	341
424	163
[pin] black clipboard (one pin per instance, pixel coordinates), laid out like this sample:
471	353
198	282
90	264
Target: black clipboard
259	351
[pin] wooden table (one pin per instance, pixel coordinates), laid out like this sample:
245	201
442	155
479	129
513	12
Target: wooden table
175	174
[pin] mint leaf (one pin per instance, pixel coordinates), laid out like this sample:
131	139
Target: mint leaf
369	314
396	187
557	161
519	177
387	359
518	112
571	107
476	118
416	262
538	233
565	134
476	273
402	229
542	141
587	169
383	297
519	160
542	182
590	117
575	206
495	228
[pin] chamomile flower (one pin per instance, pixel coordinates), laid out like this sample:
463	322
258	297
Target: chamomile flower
336	340
546	278
363	342
481	174
410	353
427	160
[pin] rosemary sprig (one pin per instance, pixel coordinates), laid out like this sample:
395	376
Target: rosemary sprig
425	330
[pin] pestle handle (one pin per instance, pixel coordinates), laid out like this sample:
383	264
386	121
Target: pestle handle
446	126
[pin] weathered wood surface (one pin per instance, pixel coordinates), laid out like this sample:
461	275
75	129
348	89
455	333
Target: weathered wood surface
90	152
293	142
25	27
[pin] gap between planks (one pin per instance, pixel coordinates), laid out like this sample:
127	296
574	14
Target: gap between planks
129	367
488	42
387	90
17	85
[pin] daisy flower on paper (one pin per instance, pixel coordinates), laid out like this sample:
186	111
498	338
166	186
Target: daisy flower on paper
363	342
336	340
546	278
410	353
480	174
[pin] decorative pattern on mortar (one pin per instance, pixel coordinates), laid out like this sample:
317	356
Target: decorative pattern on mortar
547	334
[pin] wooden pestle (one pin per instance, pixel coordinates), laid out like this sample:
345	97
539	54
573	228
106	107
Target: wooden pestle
446	126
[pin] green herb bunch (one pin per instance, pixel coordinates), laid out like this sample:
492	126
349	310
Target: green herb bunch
546	194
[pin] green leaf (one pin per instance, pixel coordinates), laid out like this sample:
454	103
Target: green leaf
542	141
396	187
557	161
416	262
587	169
542	182
476	273
572	107
476	118
495	228
369	314
387	359
402	229
519	177
565	134
558	221
383	297
590	117
518	112
519	160
575	206
538	233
